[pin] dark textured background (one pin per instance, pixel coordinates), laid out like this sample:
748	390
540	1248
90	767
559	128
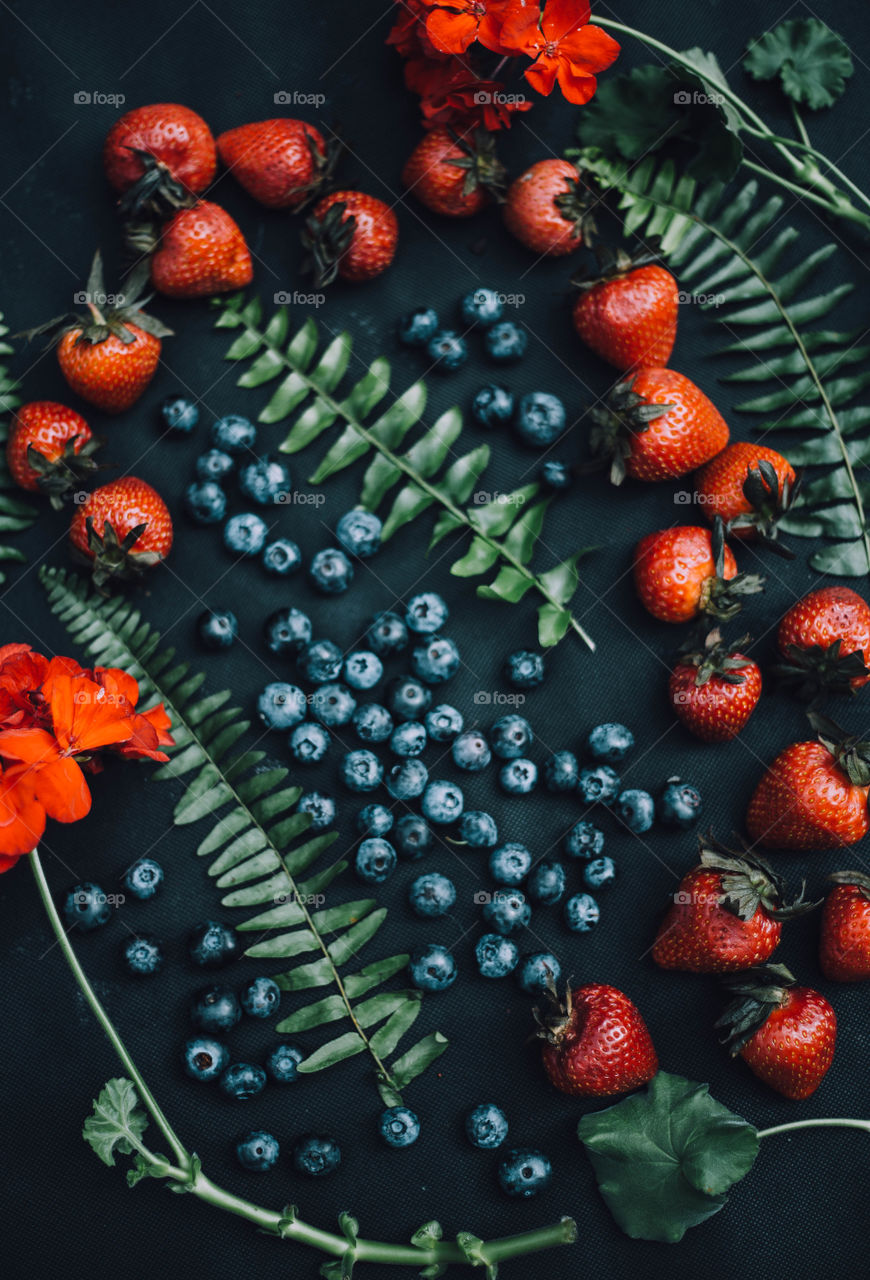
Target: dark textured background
65	1213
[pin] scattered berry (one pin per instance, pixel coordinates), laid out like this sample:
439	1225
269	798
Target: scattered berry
511	736
372	722
432	968
447	350
581	913
407	698
486	1126
407	780
214	465
387	634
363	669
413	836
233	434
260	998
142	956
435	660
281	558
510	863
332	704
540	419
431	895
518	777
610	743
204	1058
375	860
442	802
361	771
470	751
636	809
561	772
584	841
478	829
283	1061
482	307
524	669
215	1009
330	572
257	1151
217	629
599	873
492	406
556	475
86	907
505	342
242	1080
245	534
143	878
309	742
537	972
409	739
205	502
426	613
281	706
679	805
287	631
359	532
179	414
599	785
398	1127
321	808
316	1156
546	883
212	944
524	1172
496	955
417	327
507	911
443	723
320	661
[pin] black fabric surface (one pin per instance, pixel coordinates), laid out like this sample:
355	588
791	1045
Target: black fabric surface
65	1213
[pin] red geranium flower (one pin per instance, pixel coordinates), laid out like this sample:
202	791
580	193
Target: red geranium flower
22	817
452	27
486	103
564	47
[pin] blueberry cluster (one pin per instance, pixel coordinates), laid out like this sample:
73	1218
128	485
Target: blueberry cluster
87	907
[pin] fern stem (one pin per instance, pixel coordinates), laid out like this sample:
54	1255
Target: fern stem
341	411
845	210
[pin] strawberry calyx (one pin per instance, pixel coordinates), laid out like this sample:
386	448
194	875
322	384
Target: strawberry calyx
575	206
749	882
624	415
757	993
614	264
105	317
156	192
770	501
716	658
480	162
554	1019
113	557
326	240
323	167
857	879
58	477
809	671
721	597
851	753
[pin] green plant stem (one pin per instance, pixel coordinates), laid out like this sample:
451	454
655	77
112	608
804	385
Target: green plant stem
833	1122
799	125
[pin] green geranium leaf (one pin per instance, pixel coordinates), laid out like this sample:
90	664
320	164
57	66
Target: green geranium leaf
813	63
117	1122
664	1159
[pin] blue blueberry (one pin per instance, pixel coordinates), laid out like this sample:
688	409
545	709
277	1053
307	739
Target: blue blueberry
524	1172
86	907
320	661
374	820
540	419
518	777
321	808
407	780
179	414
505	342
432	895
599	873
332	704
242	1080
245	534
375	860
257	1151
536	972
581	913
546	883
470	751
511	736
507	910
214	465
205	1058
309	742
443	723
413	836
359	532
407	698
287	631
447	350
510	863
234	434
142	956
398	1127
432	968
492	406
362	669
330	572
478	829
496	955
215	1009
561	772
205	502
316	1156
426	613
524	669
281	558
584	840
260	998
556	476
417	327
144	878
372	722
387	634
486	1127
636	809
435	660
217	628
281	706
265	480
442	802
409	739
610	743
361	770
282	1063
212	944
600	785
679	805
482	307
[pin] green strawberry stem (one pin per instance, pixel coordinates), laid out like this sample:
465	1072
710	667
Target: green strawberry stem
831	1122
284	1223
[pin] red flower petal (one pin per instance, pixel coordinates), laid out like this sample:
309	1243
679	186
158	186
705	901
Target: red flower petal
61	789
451	32
84	716
22	818
29	746
588	51
562	16
541	75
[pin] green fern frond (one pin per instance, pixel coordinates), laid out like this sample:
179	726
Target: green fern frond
728	248
260	854
15	514
416	475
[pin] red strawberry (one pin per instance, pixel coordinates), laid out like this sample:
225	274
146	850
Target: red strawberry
657	426
597	1044
727	914
825	641
351	235
50	448
784	1033
123	528
454	174
282	163
844	945
714	691
750	487
628	312
683	572
547	209
201	252
814	794
157	152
